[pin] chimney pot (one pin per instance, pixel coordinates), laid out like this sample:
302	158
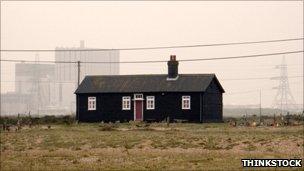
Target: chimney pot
173	58
172	67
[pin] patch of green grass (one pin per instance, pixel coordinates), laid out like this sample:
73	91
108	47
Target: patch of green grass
179	146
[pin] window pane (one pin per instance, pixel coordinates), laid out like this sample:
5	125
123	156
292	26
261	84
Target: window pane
126	103
185	102
91	103
150	102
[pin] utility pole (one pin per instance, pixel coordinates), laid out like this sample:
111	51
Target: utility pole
287	119
78	68
37	77
260	106
78	82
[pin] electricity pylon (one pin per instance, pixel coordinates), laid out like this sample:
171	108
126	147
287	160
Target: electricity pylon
284	99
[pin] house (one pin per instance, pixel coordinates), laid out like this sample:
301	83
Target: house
190	97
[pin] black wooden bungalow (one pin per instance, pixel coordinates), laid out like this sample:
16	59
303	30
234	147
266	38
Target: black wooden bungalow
188	97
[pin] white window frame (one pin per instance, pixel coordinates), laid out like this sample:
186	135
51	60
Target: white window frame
91	103
186	100
150	104
138	97
126	103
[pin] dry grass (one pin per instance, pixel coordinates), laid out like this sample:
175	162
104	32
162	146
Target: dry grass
146	147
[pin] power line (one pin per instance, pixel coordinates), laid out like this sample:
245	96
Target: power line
244	92
162	61
244	56
236	79
32	61
256	78
156	47
248	91
33	71
8	81
246	67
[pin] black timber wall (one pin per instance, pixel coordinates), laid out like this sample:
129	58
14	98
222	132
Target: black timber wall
109	107
170	105
212	103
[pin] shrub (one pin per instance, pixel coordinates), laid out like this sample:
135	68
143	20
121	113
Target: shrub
51	119
107	127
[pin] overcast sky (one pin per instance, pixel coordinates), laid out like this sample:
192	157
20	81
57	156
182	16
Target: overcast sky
46	25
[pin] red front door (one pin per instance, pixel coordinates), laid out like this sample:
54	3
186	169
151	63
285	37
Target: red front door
139	110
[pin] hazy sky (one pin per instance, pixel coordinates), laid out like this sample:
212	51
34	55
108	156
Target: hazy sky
45	25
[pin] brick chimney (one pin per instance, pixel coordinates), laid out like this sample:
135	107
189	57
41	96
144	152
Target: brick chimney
172	68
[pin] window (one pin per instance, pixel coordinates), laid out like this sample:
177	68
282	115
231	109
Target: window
150	102
138	96
91	103
126	103
186	102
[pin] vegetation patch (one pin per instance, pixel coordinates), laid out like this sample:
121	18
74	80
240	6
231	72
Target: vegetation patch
158	146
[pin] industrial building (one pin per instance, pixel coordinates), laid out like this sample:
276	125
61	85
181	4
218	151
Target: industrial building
49	88
66	74
34	84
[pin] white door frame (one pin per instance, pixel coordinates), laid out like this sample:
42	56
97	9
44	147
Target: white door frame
142	105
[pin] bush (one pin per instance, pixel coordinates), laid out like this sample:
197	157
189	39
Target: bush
107	127
67	119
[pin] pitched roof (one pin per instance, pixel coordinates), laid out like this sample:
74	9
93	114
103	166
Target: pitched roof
145	83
